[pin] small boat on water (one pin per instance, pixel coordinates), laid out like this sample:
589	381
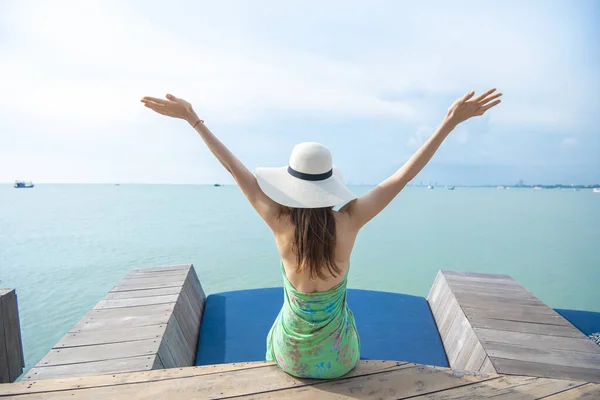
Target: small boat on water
450	187
537	188
500	188
217	185
23	185
596	190
430	187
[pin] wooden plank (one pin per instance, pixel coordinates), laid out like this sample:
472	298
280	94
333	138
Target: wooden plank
189	323
150	309
514	388
534	341
157	273
139	286
449	313
468	274
4	368
169	268
150	280
218	385
157	363
515	367
399	383
190	301
517	315
73	339
436	288
544	356
119	323
143	293
137	301
468	279
457	336
494	292
101	352
587	391
69	383
467	349
167	274
526	327
462	286
166	357
492	301
175	341
498	306
487	367
132	364
476	360
197	286
9	313
438	302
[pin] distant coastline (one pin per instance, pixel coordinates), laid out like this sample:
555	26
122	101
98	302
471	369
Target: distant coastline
552	186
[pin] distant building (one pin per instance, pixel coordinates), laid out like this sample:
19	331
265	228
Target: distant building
521	183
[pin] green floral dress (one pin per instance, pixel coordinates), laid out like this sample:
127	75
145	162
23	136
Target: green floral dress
314	335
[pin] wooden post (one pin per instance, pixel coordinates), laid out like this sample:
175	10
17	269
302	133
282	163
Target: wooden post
11	347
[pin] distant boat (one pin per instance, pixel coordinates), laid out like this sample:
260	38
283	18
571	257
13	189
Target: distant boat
500	188
430	187
23	185
450	187
596	190
537	188
217	185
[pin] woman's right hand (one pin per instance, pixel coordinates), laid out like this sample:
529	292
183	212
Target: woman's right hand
468	106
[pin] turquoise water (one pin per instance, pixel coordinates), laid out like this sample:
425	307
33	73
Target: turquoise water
65	246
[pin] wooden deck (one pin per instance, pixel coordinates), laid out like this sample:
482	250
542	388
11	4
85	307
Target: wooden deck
490	323
11	347
150	320
259	380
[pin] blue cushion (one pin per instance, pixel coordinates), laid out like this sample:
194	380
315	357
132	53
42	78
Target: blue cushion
587	322
391	326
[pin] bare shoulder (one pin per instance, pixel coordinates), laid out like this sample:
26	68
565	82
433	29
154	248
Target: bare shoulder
344	217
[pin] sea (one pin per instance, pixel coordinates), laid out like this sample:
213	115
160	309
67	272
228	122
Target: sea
63	247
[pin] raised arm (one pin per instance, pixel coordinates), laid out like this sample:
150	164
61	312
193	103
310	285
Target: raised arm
179	108
365	208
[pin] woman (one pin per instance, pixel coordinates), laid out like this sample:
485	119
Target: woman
314	335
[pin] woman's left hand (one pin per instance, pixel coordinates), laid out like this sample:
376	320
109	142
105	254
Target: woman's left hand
171	107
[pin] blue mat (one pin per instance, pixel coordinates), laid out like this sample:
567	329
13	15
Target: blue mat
391	326
587	322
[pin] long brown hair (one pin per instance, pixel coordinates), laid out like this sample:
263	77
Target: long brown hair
314	240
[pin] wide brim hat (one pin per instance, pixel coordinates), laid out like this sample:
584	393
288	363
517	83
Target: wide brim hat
309	181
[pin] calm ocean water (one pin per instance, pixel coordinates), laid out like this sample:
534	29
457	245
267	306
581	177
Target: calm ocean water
65	246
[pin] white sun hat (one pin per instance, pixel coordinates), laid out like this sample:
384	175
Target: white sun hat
309	181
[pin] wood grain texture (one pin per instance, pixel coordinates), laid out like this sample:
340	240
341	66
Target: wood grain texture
136	327
260	380
491	323
11	356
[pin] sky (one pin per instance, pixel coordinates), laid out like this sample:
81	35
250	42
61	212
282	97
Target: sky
371	80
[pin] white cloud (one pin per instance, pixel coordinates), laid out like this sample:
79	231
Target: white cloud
83	60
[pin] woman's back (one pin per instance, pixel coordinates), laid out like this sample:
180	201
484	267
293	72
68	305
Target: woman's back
345	238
